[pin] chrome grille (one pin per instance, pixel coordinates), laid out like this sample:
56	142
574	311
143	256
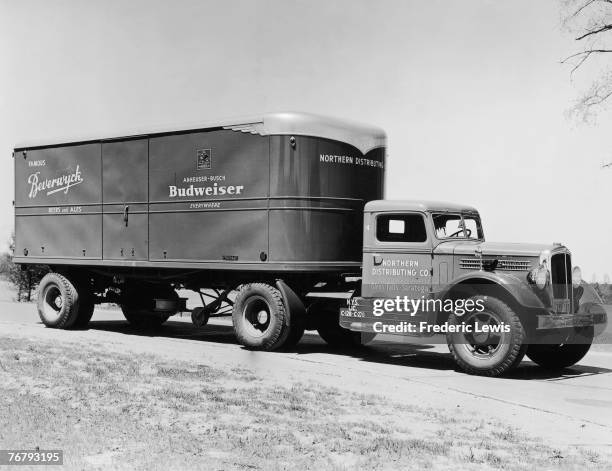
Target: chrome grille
470	264
514	265
507	264
561	275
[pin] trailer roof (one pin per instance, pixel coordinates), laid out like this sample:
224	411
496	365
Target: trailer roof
362	136
417	205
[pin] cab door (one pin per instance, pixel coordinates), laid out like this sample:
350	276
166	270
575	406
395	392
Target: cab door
397	258
125	198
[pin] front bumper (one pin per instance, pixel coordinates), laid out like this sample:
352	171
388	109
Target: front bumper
590	314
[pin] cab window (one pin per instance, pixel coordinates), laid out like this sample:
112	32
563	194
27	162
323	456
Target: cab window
401	228
457	226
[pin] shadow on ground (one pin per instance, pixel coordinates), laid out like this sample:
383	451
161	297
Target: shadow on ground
381	352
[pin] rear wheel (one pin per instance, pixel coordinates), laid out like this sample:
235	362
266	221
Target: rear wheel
58	301
259	317
556	357
86	303
296	332
328	327
139	304
490	353
86	310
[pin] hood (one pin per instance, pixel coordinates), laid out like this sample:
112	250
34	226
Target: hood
497	248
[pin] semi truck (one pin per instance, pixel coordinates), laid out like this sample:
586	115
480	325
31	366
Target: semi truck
280	220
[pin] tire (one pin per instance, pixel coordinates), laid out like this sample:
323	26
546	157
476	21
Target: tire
485	355
335	336
139	303
86	304
338	337
557	357
86	310
296	332
259	317
58	301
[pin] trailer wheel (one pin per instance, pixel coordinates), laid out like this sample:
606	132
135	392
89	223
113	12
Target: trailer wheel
295	334
86	310
139	304
487	354
556	357
259	316
334	335
58	301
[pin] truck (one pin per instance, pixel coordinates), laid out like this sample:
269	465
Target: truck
280	220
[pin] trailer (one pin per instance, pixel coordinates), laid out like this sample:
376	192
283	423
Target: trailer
270	207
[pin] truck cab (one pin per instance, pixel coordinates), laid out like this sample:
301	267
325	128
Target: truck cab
427	269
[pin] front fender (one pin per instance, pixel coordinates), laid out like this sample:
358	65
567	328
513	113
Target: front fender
510	284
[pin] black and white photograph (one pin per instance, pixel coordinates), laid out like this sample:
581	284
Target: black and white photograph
305	235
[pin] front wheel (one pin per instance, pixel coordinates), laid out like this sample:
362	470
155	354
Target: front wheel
489	342
556	357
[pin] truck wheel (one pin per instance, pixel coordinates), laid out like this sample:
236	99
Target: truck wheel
58	301
556	357
86	310
296	332
339	337
487	353
335	336
139	304
86	303
259	316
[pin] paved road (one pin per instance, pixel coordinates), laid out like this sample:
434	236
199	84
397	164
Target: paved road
572	408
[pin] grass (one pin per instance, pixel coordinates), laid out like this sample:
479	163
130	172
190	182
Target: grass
111	411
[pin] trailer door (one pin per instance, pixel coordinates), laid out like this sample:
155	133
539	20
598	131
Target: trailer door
57	204
125	196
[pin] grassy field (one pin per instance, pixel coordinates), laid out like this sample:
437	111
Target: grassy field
115	411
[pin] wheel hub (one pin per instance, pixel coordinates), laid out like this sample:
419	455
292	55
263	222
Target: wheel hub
482	341
262	317
256	314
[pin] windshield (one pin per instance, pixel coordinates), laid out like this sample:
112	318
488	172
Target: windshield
457	226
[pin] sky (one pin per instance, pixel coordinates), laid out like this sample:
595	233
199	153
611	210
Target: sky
471	93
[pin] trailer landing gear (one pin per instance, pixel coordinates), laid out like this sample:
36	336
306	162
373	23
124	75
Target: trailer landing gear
220	306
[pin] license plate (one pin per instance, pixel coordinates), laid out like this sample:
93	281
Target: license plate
562	306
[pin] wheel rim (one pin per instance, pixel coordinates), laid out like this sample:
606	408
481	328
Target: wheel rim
256	316
483	345
52	303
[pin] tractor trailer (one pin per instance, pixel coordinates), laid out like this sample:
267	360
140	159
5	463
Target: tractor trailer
280	220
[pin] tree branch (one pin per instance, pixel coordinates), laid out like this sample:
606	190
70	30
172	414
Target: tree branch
595	31
586	5
584	55
597	99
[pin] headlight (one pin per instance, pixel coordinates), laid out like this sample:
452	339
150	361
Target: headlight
576	277
539	276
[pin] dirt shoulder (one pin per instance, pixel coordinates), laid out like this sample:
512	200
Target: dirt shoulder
114	410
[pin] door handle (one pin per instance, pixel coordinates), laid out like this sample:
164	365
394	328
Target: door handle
126	210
